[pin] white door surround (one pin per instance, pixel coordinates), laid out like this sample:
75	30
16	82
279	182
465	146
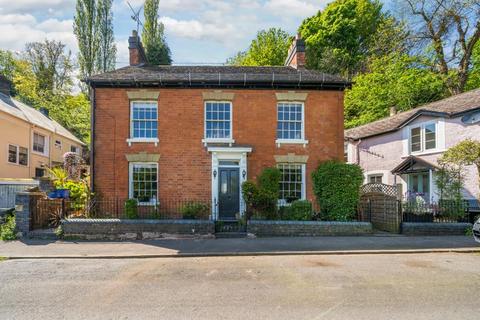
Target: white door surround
228	154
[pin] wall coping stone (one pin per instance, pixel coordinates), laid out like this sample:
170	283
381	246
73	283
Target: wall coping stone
137	221
319	223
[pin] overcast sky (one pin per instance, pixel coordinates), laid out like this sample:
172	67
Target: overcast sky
197	31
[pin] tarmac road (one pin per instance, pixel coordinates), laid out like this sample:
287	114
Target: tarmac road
390	286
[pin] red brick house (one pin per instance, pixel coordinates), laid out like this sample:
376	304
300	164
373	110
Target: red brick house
162	133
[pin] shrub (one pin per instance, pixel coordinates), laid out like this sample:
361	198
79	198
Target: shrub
131	209
195	210
262	200
269	180
7	230
337	188
300	210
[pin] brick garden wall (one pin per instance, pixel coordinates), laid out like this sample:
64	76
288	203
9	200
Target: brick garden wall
185	164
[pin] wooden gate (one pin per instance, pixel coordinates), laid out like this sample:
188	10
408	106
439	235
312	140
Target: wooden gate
380	204
45	213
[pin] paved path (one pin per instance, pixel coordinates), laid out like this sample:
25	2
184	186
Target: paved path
158	248
413	286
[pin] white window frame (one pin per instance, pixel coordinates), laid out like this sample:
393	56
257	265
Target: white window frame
303	190
17	155
206	140
131	139
77	149
381	175
422	127
46	146
130	181
302	140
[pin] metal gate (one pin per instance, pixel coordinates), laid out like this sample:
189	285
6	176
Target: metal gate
381	205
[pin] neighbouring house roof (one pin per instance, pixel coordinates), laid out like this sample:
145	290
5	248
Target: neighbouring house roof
413	164
22	111
449	107
218	76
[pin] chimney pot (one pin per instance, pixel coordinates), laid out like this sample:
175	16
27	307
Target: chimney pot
296	54
393	111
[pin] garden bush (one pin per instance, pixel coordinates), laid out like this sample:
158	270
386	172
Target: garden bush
131	209
337	188
195	210
7	230
299	210
262	199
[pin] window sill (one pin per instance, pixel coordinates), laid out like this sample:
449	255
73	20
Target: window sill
207	141
425	153
279	142
142	140
40	154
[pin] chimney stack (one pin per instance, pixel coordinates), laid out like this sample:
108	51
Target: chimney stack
296	54
5	86
137	53
393	111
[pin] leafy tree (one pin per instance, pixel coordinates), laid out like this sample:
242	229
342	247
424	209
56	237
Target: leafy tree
269	48
448	30
474	75
153	37
51	65
107	49
339	38
399	81
87	33
464	153
7	64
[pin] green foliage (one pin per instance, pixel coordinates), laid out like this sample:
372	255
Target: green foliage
269	48
7	64
262	200
107	49
337	187
7	230
87	33
449	181
339	38
153	38
195	210
59	176
269	180
394	81
298	210
79	190
131	208
474	74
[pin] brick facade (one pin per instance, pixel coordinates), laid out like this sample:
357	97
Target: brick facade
185	164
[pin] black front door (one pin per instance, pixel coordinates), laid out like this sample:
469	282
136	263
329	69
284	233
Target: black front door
228	193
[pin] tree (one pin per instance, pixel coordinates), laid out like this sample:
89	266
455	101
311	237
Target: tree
269	48
7	64
449	31
87	33
464	153
474	75
153	37
51	65
397	80
339	38
107	49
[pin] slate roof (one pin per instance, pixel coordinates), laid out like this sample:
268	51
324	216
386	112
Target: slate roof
449	107
216	75
22	111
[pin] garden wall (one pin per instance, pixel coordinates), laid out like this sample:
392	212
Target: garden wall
434	229
117	229
264	228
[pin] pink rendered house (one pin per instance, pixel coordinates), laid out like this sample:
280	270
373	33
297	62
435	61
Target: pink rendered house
403	149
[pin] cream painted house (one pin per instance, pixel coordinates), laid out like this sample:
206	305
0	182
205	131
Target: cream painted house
29	139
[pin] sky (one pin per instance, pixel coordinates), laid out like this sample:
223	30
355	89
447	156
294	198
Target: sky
197	31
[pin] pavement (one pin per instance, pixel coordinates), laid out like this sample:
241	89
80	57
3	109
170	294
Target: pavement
388	286
42	249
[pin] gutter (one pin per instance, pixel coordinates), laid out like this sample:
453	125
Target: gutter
92	138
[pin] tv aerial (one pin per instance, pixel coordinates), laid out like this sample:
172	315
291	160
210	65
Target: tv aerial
136	15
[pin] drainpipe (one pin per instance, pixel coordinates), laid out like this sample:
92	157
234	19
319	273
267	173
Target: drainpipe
92	138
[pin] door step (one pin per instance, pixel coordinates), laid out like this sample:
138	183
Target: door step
230	235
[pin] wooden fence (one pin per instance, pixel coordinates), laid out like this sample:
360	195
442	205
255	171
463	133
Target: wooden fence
10	187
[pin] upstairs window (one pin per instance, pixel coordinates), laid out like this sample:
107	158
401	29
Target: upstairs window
290	121
39	143
58	144
423	138
17	155
375	178
218	120
144	120
75	149
292	182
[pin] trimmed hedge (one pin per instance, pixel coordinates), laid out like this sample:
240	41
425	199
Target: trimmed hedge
337	188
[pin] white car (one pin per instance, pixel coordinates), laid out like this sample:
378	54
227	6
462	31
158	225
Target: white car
476	230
